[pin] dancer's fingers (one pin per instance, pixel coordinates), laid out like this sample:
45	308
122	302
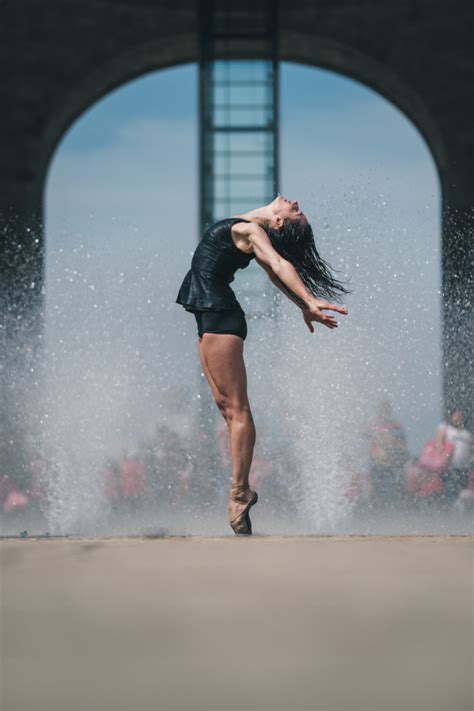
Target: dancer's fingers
308	323
336	307
332	307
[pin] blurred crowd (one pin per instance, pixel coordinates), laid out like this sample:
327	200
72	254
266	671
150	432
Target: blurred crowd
440	476
177	463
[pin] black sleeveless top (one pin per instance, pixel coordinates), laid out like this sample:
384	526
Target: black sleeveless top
214	263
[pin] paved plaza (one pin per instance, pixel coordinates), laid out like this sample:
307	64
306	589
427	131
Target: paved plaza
227	624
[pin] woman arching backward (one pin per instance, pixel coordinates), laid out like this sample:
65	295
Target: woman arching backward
279	237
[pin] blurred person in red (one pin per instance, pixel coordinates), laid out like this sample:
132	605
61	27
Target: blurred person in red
359	486
132	476
11	497
388	455
424	475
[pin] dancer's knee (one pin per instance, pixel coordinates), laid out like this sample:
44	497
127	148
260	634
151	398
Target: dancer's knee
235	410
238	411
222	405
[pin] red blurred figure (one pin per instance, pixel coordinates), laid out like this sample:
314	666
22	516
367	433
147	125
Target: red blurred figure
359	487
388	455
15	501
423	483
132	477
11	498
433	462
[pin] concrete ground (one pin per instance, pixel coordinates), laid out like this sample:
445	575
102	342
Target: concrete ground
227	624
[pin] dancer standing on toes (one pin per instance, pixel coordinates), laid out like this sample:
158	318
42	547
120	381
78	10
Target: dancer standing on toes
280	238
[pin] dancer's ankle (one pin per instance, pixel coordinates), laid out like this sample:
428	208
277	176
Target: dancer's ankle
238	490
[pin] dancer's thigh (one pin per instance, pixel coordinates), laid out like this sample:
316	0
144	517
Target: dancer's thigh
224	359
207	373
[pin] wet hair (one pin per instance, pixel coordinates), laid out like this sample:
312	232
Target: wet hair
295	243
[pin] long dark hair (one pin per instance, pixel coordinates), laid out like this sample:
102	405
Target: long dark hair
295	243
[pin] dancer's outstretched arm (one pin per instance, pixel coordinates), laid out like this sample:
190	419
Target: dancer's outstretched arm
278	283
285	272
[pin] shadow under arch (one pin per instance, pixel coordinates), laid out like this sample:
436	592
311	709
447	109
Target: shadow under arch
309	50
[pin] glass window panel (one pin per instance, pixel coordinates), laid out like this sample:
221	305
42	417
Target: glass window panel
255	70
242	70
237	116
242	94
258	140
221	164
247	164
249	160
221	142
240	141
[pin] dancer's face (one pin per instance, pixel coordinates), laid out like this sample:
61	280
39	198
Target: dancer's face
284	209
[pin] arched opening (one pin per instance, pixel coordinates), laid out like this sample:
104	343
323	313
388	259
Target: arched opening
354	173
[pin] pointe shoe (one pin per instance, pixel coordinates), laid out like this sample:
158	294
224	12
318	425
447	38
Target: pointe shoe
238	509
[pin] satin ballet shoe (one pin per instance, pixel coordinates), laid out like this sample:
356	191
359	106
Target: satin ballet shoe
238	508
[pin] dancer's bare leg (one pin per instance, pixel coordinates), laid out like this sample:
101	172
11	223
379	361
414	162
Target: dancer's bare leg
223	364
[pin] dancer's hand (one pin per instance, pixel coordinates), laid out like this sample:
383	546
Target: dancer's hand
313	312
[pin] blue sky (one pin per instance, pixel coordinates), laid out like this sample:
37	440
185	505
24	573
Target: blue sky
121	201
172	94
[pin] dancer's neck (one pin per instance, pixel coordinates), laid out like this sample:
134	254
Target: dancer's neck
260	215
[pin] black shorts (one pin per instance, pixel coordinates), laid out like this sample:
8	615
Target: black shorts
227	321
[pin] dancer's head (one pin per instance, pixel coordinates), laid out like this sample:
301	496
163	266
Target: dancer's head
291	236
282	210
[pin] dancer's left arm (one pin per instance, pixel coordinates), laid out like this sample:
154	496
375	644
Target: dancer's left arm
309	315
311	307
283	288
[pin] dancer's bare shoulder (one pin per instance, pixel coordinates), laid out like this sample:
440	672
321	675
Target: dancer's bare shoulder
241	232
255	240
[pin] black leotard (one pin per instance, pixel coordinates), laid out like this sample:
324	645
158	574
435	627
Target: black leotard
214	263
